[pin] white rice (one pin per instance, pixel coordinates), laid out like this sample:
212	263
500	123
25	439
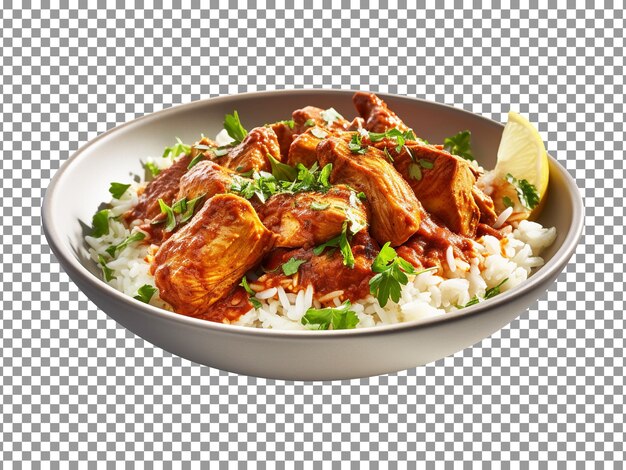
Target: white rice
426	295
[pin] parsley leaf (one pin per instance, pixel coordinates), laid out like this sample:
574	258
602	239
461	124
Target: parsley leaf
135	237
341	318
195	160
356	146
492	292
391	274
169	212
251	294
325	175
473	301
526	192
309	123
281	171
318	206
460	145
233	127
176	149
426	164
362	196
100	223
106	271
145	293
288	122
117	190
330	115
152	168
191	205
291	267
341	242
506	201
415	172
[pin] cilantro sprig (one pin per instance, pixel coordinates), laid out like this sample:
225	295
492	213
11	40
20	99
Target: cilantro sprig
176	149
117	190
135	237
340	241
100	223
340	318
233	127
489	293
145	293
526	192
152	168
291	267
185	208
251	294
460	144
356	145
107	272
392	273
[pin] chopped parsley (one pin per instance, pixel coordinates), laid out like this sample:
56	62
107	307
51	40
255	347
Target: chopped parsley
340	318
251	294
100	223
362	196
527	193
176	149
460	145
106	271
281	171
195	160
415	172
117	190
291	267
391	274
135	237
233	127
187	213
506	201
145	293
169	212
290	123
330	115
356	146
152	168
341	242
309	123
426	163
473	301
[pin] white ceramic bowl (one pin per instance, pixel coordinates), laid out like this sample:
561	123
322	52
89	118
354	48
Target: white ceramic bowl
81	185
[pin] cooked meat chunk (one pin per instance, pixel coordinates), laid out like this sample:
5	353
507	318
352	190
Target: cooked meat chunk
285	135
251	153
310	115
326	272
205	178
395	211
303	148
204	260
378	117
204	142
442	182
164	186
311	218
488	214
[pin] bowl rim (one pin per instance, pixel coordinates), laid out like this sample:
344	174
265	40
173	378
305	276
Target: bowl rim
74	268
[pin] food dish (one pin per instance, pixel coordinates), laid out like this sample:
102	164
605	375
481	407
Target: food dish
412	343
316	222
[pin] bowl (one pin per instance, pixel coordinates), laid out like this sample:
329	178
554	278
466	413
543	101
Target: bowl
81	185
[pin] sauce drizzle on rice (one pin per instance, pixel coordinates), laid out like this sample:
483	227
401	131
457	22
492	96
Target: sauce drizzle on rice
308	242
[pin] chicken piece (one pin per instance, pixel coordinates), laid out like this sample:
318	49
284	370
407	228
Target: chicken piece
251	153
204	142
205	178
164	186
485	204
310	115
395	211
378	117
311	218
205	259
442	182
326	272
285	135
303	148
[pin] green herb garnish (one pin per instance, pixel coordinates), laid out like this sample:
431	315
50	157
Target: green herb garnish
309	123
341	318
251	294
282	171
117	190
391	274
527	193
426	163
362	196
233	127
187	213
100	223
145	293
330	115
356	146
291	267
176	149
460	144
106	271
341	242
152	168
195	160
493	291
169	212
135	237
415	172
318	206
506	200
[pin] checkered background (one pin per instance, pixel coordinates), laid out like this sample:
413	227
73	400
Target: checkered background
78	387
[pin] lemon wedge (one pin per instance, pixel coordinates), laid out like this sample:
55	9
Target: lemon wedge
523	155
